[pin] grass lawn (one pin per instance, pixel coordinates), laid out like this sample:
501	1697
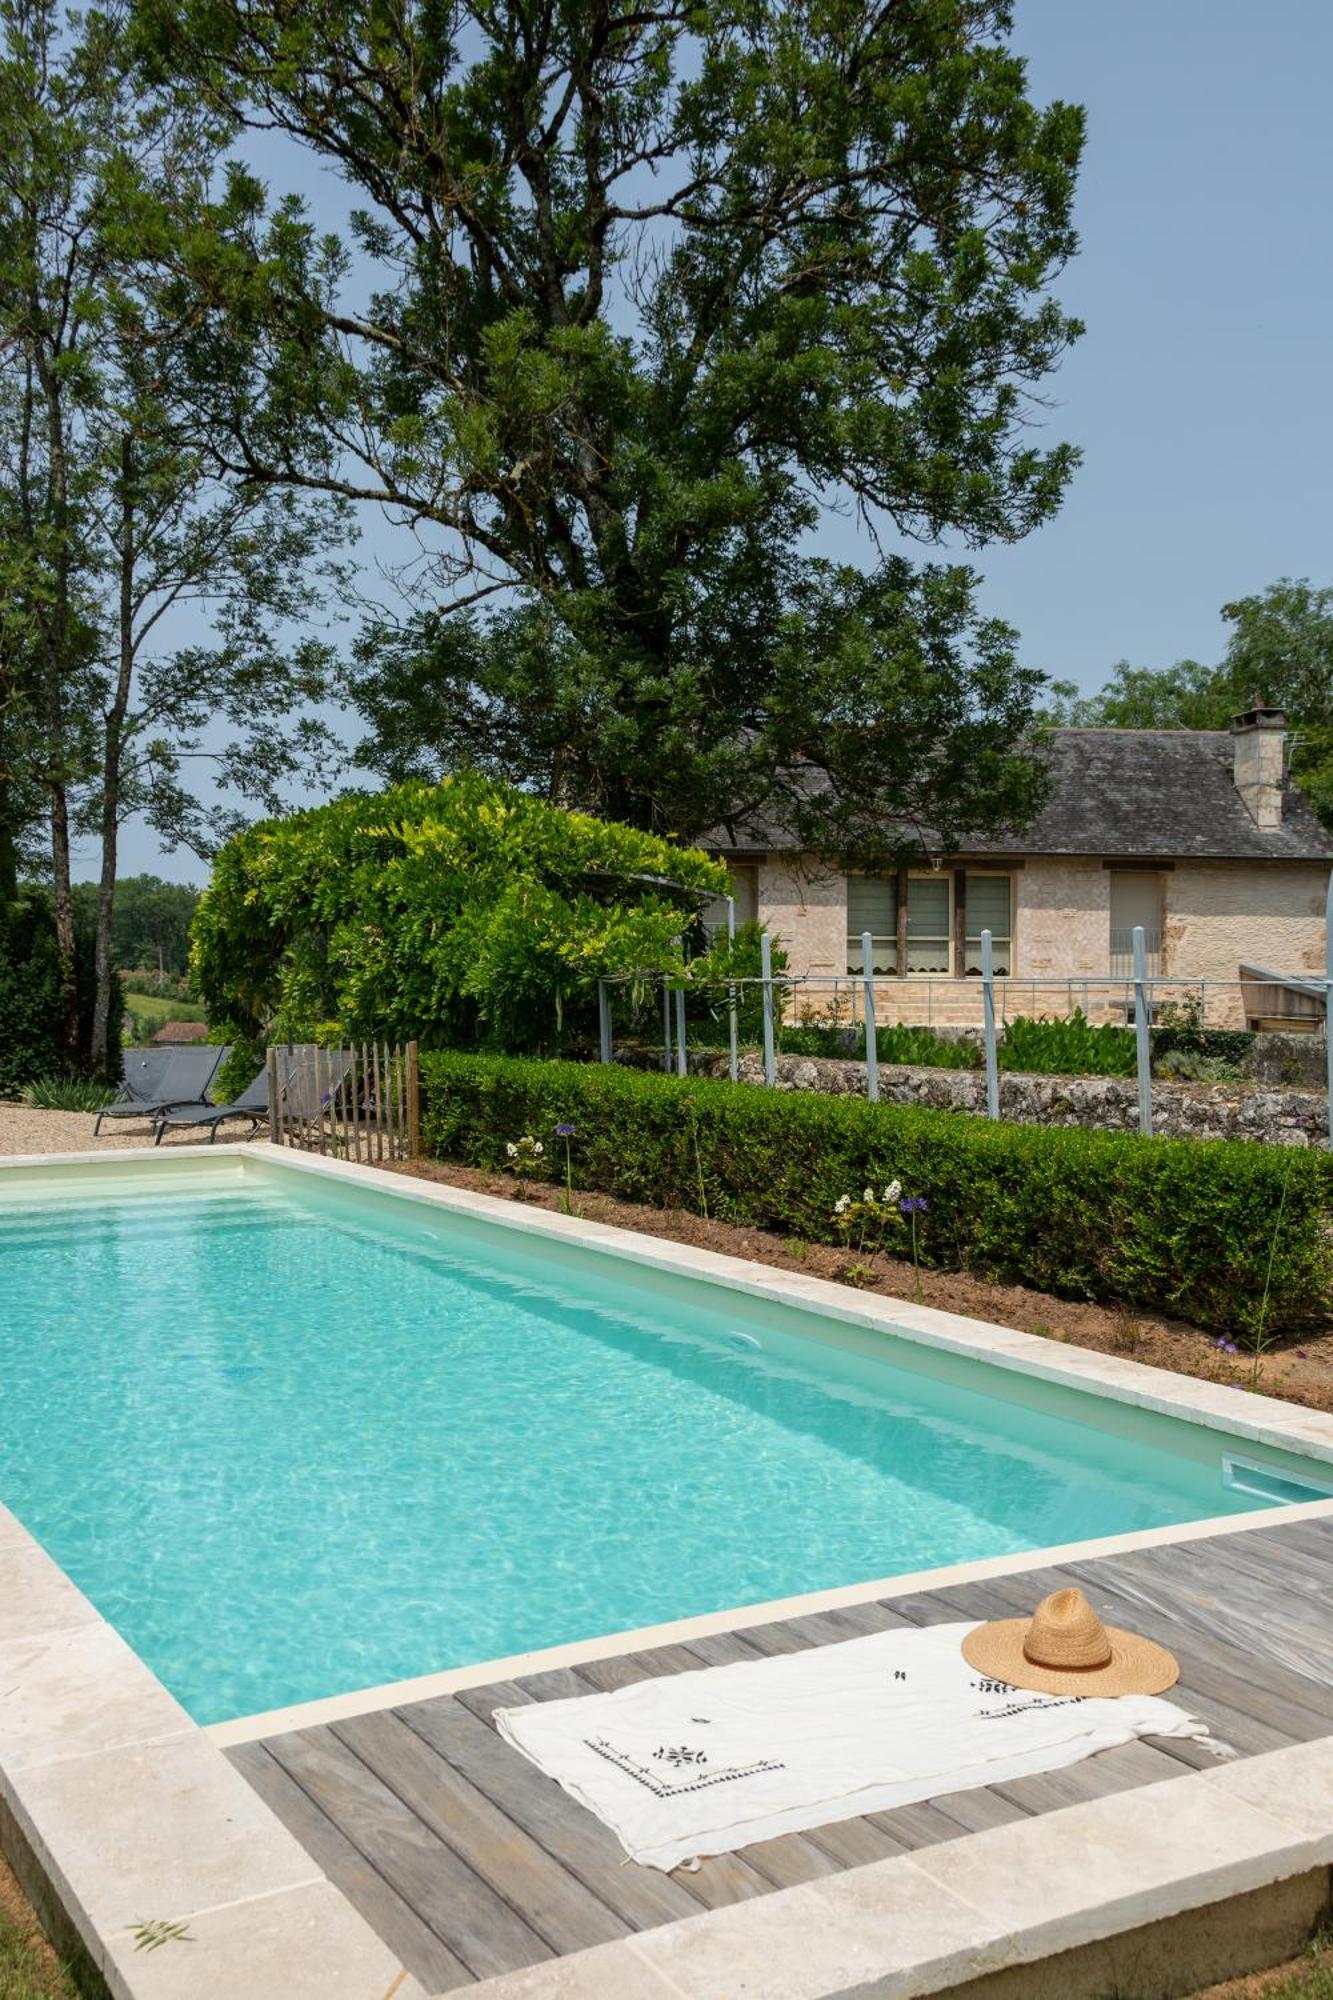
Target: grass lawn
29	1969
160	1007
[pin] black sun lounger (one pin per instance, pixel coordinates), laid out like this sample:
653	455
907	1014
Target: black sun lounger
153	1079
252	1104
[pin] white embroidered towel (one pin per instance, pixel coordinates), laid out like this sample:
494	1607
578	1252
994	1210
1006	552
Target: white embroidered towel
700	1763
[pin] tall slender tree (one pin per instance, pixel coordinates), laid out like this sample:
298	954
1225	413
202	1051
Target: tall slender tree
633	297
144	596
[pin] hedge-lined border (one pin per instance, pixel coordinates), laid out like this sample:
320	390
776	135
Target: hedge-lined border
1232	1236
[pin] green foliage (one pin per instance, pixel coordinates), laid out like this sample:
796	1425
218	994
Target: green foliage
1191	1066
150	925
1178	1225
902	1045
633	297
453	913
152	1009
1070	1047
1066	1047
29	1968
734	959
31	1044
66	1093
238	1070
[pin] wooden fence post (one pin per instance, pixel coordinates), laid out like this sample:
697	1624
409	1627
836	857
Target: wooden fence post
413	1103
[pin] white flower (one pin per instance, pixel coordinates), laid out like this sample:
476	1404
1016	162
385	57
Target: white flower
868	1195
537	1146
893	1190
842	1204
512	1150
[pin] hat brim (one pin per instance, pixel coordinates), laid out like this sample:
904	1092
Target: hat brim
1136	1666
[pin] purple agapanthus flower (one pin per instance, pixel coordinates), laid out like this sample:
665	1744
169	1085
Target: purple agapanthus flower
913	1204
564	1131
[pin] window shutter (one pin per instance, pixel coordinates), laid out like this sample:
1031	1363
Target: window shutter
988	905
872	905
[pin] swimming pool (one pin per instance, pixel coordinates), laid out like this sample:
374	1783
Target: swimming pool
295	1438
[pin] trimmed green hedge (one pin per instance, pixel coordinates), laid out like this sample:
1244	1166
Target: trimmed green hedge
1181	1226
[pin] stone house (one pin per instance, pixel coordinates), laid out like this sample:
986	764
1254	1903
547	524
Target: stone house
1197	835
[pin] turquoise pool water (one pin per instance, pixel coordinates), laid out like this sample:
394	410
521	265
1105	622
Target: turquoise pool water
294	1443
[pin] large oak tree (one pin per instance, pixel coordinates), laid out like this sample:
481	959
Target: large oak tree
636	293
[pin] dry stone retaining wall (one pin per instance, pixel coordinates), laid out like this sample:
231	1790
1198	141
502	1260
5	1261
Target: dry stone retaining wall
1280	1116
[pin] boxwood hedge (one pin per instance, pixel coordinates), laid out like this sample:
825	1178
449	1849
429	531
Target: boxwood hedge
1234	1237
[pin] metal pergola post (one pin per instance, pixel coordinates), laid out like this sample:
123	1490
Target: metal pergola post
988	1017
1142	1041
868	985
733	1021
604	1034
766	980
1328	1002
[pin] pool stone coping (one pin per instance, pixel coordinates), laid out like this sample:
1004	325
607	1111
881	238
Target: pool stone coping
125	1810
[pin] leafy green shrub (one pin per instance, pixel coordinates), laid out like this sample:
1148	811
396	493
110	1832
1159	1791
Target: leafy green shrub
894	1044
237	1070
30	1042
1188	1066
1071	1047
459	913
66	1093
1178	1225
708	1024
1227	1046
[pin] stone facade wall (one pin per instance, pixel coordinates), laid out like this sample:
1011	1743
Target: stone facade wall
807	908
1062	919
1216	916
1283	1117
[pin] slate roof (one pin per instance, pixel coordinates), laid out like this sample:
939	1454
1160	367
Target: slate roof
1164	794
1131	794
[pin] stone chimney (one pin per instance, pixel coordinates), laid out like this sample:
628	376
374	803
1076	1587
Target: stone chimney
1259	744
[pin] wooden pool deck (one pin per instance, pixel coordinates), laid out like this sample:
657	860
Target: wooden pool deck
470	1863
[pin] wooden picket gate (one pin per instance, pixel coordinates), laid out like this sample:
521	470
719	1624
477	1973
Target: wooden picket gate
358	1103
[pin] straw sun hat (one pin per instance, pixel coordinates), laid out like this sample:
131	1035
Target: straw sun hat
1064	1648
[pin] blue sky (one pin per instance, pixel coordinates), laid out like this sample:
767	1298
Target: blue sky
1200	393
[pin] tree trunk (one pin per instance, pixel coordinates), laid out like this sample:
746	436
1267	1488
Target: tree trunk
114	743
56	663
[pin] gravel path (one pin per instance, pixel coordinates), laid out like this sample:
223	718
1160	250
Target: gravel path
25	1131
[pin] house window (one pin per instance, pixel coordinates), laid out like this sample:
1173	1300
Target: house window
1136	899
872	905
989	908
929	923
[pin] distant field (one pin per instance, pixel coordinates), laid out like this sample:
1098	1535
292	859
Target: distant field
152	1009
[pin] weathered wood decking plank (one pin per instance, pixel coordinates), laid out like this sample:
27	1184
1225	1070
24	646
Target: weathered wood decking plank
518	1868
479	1927
346	1866
468	1861
641	1896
